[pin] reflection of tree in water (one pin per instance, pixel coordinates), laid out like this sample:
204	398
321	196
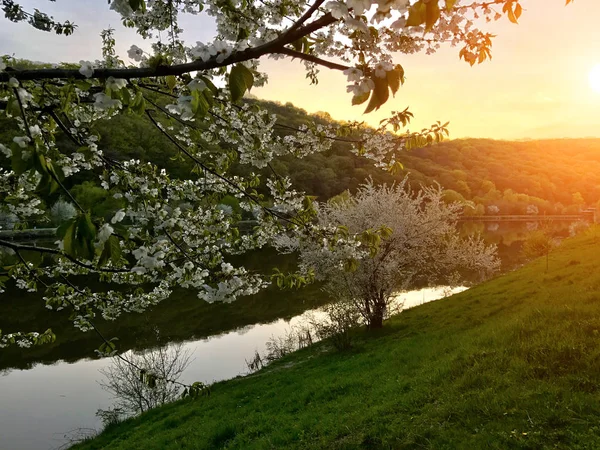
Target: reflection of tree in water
493	226
509	236
243	330
132	394
7	256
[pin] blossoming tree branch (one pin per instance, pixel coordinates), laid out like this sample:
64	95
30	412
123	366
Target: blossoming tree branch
174	231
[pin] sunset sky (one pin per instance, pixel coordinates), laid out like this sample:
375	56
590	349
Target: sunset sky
536	86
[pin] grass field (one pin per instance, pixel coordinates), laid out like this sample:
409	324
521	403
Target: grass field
511	363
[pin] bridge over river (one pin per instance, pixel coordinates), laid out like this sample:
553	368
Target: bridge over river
587	216
246	226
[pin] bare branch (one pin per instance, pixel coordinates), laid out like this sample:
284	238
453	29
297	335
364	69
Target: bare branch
312	58
53	251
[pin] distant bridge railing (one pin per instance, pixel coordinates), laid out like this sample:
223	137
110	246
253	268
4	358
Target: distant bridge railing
28	234
589	217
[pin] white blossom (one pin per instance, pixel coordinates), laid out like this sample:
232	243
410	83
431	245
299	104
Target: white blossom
400	23
222	50
86	69
183	107
168	213
5	151
354	88
115	84
366	85
104	233
196	85
135	53
382	68
353	74
35	131
22	141
356	25
103	102
359	6
203	52
337	9
118	217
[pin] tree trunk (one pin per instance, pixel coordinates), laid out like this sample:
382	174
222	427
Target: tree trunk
377	314
375	321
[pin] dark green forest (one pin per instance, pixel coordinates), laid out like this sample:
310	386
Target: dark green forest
555	176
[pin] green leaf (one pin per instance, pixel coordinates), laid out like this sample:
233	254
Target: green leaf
139	104
417	14
432	14
126	96
79	237
350	265
200	105
396	168
69	237
82	85
20	165
240	80
209	83
395	78
380	94
297	45
12	108
137	4
111	251
86	227
450	4
243	34
171	82
61	231
360	98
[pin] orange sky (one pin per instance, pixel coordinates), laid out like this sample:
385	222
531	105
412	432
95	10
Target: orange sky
536	86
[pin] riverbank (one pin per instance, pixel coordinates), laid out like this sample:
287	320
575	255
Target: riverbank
511	363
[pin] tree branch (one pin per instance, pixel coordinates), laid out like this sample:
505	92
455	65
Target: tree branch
311	58
143	72
52	251
309	12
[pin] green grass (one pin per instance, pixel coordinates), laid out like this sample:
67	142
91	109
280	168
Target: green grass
511	363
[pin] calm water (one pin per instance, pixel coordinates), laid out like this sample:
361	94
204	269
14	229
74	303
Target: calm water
39	406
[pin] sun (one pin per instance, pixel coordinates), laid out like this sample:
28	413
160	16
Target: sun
595	78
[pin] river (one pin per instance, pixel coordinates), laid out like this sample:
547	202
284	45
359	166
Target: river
45	406
50	394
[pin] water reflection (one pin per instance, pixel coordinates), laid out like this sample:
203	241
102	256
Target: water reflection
42	405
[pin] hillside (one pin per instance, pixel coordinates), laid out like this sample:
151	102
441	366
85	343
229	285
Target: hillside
511	363
509	175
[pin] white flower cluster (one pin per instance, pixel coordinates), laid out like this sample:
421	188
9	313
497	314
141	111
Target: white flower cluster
219	49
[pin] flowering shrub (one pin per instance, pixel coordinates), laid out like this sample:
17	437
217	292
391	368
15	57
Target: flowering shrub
389	239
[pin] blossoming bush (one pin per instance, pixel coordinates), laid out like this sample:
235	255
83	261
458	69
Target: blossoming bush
191	93
406	239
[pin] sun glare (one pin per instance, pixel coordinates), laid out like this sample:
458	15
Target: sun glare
595	78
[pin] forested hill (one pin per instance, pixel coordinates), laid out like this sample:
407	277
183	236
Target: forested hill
555	176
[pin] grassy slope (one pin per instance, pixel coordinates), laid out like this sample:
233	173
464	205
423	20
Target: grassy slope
512	363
